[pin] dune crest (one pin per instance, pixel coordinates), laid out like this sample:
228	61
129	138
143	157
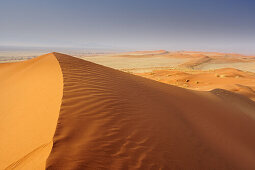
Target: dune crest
114	120
30	97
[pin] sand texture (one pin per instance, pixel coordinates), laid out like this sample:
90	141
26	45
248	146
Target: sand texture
114	120
110	119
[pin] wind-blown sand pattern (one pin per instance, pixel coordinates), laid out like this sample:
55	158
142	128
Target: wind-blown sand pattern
109	119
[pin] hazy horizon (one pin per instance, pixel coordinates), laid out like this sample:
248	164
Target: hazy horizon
198	25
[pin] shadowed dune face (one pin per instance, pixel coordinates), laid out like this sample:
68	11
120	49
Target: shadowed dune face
114	120
30	99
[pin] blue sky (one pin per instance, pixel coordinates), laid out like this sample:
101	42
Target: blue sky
208	25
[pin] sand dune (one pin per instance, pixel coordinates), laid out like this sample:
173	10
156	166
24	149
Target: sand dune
228	78
30	96
109	119
114	120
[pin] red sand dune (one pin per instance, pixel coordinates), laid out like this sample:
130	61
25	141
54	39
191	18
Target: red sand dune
109	119
228	78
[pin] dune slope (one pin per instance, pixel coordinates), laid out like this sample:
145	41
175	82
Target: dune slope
114	120
30	99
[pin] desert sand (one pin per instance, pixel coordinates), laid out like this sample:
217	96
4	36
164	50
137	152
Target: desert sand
147	61
103	118
30	96
228	78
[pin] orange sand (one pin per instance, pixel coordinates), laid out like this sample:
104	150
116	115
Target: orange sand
114	120
30	97
228	78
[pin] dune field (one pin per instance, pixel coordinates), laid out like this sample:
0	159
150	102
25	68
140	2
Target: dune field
59	112
188	69
147	61
227	78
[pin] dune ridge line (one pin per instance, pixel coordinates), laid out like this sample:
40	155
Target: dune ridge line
114	120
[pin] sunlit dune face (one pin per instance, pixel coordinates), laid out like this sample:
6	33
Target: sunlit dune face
229	79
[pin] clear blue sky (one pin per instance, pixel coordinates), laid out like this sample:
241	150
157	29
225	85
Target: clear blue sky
214	25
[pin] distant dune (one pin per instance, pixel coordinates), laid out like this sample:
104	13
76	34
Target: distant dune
101	118
228	78
188	60
143	61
